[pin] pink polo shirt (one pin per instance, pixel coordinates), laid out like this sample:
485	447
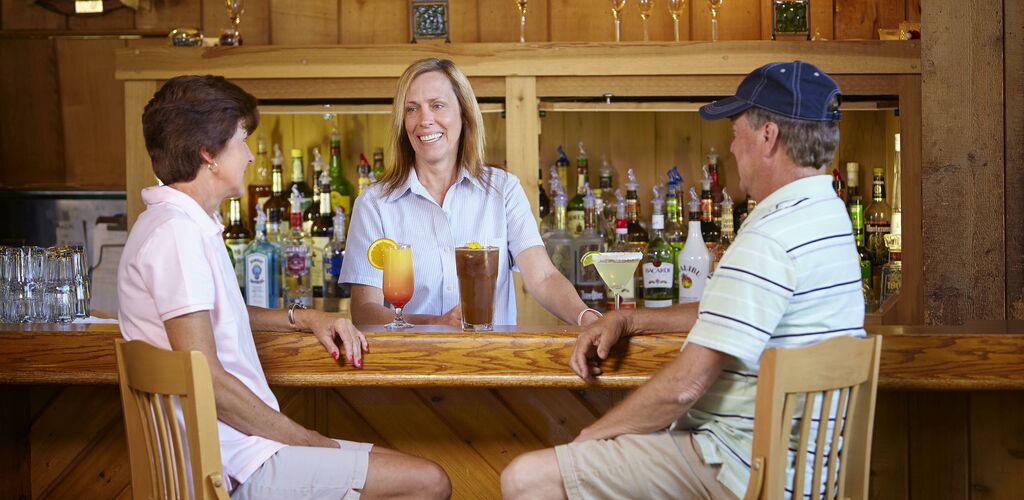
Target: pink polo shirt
175	263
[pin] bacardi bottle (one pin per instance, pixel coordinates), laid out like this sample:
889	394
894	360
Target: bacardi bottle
262	267
658	264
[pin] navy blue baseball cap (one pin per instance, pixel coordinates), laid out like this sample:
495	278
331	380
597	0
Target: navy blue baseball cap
795	89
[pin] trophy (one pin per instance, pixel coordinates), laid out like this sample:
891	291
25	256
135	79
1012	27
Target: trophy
231	36
521	5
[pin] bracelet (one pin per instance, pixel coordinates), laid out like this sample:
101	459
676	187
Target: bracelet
579	319
291	312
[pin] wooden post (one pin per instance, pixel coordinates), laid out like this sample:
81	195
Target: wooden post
138	169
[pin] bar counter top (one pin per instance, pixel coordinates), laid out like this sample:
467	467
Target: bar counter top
975	356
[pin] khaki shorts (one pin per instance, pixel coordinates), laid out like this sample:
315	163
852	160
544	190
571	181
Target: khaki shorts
665	464
307	472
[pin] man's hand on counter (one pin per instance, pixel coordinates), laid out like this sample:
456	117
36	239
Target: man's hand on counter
596	340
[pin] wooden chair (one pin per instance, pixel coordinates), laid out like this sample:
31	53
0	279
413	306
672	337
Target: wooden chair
845	366
151	379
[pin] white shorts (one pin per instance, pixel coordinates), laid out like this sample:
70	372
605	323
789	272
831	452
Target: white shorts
307	472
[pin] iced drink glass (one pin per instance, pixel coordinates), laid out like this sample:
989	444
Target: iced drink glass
398	282
478	277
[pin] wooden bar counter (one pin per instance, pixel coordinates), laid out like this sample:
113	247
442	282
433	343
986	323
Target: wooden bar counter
473	402
983	356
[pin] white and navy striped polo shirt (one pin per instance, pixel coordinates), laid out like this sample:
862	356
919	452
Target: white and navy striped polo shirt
791	277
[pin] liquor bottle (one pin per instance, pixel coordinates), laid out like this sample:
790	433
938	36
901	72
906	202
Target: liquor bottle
575	209
621	244
558	241
606	201
237	237
588	281
342	190
876	220
378	163
694	261
298	287
321	231
658	264
260	188
543	202
716	186
636	234
313	210
852	180
562	164
709	230
547	224
333	257
262	267
838	185
299	179
892	274
363	171
727	231
674	234
277	206
896	219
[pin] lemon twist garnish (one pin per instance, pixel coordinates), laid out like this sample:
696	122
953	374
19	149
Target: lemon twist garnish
473	244
375	253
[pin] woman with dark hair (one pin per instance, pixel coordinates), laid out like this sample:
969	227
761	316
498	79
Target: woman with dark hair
437	194
177	290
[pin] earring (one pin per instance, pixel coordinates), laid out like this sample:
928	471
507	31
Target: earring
212	167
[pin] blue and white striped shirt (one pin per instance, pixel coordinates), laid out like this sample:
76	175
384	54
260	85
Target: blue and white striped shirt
791	277
495	215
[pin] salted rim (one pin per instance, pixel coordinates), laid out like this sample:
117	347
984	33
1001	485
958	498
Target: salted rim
618	257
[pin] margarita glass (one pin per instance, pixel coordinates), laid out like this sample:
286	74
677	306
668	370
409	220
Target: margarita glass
398	282
616	270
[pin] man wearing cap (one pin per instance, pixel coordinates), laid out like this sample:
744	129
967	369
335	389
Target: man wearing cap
791	277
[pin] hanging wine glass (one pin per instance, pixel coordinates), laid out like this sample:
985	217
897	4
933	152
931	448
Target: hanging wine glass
715	5
521	5
646	6
235	8
617	6
675	7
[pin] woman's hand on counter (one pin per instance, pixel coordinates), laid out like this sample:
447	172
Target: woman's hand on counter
451	318
326	327
594	342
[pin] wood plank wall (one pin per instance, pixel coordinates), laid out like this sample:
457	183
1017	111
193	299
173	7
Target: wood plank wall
66	97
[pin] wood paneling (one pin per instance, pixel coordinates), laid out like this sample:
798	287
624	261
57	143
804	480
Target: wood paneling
140	175
26	15
737	20
963	162
1013	42
997	446
298	22
861	19
939	446
93	113
121	19
15	446
499	21
31	149
374	21
890	466
166	15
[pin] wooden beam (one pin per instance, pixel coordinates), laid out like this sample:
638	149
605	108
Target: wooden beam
138	168
973	357
502	59
691	85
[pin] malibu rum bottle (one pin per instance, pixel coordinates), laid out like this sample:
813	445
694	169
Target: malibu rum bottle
237	237
260	188
694	261
658	265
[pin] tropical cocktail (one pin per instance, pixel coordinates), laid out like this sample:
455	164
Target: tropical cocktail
616	269
395	259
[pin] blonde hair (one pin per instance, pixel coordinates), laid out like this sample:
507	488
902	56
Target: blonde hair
402	157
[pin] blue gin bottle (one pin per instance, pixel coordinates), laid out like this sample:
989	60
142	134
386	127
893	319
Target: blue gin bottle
262	268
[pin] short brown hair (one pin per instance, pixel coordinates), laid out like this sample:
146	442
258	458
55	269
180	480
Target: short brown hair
402	157
190	114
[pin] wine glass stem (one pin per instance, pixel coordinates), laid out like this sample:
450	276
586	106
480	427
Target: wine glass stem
675	27
522	28
618	33
399	318
714	28
647	37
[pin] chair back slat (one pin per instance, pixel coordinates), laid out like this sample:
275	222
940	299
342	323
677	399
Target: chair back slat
803	437
155	386
833	452
820	442
843	372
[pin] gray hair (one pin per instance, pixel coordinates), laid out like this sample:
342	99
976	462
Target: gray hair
808	143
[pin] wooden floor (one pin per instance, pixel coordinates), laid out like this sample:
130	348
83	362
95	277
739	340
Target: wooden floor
968	445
